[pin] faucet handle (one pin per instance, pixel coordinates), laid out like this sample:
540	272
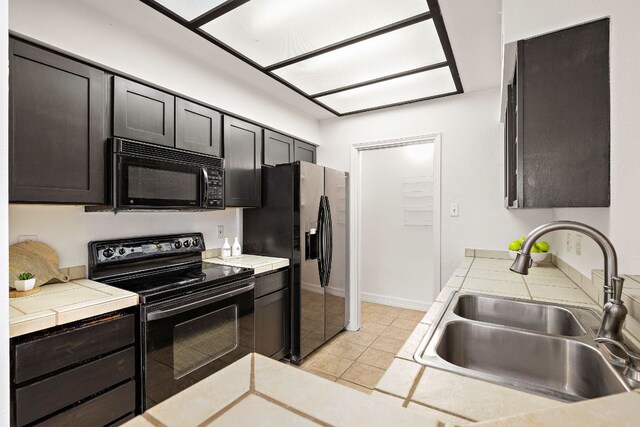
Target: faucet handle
632	357
617	283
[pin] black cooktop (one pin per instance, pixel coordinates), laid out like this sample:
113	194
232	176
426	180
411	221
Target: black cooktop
161	284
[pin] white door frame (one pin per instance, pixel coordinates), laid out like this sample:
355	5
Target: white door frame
355	201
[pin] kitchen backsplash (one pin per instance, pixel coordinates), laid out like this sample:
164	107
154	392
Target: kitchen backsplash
68	229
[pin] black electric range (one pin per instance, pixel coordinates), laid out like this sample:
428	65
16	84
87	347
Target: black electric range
195	317
159	267
167	283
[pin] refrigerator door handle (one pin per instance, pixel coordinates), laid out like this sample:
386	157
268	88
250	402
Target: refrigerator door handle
329	254
321	231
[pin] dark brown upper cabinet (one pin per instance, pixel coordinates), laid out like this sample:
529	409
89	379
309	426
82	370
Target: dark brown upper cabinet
278	148
198	128
242	163
57	126
303	151
142	113
557	117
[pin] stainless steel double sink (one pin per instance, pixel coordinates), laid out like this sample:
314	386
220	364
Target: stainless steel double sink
546	349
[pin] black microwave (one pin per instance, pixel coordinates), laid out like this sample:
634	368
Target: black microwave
151	177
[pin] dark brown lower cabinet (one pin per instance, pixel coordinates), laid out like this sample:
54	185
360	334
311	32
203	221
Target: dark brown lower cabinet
273	314
82	375
105	409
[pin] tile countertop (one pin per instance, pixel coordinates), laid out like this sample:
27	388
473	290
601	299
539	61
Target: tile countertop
462	400
60	303
259	391
260	264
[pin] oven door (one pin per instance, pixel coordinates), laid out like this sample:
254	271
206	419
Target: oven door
147	183
187	339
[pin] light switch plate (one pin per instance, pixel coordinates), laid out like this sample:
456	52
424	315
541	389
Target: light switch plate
578	244
221	232
27	238
453	210
569	247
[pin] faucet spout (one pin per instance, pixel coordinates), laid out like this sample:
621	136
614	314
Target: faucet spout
614	310
609	252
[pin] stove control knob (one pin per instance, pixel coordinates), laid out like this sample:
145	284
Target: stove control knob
187	243
122	251
196	242
177	245
108	253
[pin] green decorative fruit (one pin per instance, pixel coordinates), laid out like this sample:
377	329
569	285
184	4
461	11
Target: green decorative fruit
522	239
534	249
515	245
543	246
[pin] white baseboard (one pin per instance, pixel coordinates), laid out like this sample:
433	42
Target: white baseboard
395	301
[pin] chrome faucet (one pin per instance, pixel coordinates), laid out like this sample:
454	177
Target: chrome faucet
614	311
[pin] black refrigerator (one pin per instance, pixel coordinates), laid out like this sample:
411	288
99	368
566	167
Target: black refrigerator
304	217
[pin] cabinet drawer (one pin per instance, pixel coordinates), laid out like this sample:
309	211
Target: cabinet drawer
271	282
99	411
54	393
42	356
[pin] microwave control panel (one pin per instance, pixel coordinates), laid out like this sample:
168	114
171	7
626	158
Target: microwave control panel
215	193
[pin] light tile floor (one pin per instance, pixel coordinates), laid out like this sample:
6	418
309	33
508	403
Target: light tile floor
359	359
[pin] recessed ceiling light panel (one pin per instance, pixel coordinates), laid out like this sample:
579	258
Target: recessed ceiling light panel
190	9
394	52
271	31
413	87
347	56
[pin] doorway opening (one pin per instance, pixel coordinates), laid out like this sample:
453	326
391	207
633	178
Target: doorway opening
395	223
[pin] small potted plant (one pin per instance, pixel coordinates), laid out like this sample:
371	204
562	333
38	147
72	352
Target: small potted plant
26	282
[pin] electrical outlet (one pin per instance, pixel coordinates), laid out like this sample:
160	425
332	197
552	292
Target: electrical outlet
578	244
453	209
569	247
221	232
27	238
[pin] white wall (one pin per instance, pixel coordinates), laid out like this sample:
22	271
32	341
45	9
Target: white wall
591	254
4	219
472	165
68	229
396	260
523	19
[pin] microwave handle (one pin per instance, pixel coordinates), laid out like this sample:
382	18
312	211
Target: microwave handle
162	314
205	177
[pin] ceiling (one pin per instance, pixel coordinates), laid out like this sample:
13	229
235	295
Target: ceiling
474	29
346	56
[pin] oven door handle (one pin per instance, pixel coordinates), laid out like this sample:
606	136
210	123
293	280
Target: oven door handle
163	314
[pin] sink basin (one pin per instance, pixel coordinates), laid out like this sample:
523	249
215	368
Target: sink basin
542	348
562	367
519	314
